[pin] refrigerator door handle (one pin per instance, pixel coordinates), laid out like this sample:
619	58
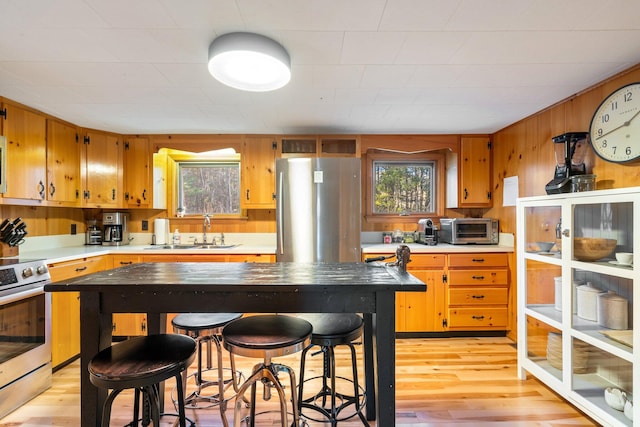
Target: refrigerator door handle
279	212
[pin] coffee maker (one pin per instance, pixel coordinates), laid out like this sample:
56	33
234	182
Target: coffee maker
570	151
115	231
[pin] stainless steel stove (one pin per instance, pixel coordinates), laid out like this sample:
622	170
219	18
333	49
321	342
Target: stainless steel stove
25	332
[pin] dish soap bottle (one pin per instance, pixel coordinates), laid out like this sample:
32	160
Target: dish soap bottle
176	237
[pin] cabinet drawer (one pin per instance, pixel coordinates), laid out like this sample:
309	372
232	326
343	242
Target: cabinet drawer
121	260
477	318
69	269
477	277
478	296
478	260
419	261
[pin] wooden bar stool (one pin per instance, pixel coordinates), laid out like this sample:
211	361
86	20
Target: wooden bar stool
142	363
329	331
206	328
266	337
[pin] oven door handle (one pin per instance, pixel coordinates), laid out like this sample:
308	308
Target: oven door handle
8	299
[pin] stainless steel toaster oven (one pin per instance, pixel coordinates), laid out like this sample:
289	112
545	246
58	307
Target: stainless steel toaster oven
461	231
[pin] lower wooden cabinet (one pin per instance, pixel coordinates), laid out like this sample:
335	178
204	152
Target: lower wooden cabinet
478	292
65	308
465	292
423	311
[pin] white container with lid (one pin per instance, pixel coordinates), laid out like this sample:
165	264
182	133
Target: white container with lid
613	311
587	296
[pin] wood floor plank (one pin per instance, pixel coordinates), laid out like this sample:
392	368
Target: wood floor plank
461	382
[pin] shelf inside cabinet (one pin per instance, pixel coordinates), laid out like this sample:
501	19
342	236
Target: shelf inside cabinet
545	313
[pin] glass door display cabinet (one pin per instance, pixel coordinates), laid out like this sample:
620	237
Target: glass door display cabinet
577	284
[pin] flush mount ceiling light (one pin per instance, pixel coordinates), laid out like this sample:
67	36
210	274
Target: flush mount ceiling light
248	61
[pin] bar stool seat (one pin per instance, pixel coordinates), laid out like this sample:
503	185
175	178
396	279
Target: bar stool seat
329	331
266	337
141	363
206	328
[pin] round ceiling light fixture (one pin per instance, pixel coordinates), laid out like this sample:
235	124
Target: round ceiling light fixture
250	62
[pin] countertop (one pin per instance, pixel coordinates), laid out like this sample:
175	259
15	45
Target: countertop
417	248
68	253
75	252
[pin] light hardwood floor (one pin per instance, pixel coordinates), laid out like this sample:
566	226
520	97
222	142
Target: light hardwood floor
440	382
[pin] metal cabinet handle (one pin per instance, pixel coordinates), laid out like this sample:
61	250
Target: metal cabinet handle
477	296
478	277
81	268
478	317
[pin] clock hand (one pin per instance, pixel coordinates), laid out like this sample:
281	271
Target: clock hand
627	123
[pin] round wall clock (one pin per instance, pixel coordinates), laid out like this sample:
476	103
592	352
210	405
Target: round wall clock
615	127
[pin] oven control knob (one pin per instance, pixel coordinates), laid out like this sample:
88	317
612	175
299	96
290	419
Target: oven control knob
42	269
27	272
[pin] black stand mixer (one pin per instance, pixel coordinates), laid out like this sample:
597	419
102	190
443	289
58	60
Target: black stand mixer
570	150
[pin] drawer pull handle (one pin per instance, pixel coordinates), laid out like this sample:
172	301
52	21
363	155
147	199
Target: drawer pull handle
477	296
478	317
478	277
477	259
126	262
81	268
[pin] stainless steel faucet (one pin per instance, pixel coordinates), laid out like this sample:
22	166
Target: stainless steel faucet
206	224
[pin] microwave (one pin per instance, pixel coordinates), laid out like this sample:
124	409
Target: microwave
462	231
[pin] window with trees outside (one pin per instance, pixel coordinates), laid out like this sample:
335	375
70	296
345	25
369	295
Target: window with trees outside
405	184
209	187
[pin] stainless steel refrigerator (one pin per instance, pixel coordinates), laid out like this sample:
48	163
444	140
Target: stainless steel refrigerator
318	209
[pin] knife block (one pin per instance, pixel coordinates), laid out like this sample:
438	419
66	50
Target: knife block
6	250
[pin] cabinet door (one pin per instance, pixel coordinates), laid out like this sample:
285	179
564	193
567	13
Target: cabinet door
423	311
102	174
137	173
63	163
26	153
475	172
65	326
258	173
129	324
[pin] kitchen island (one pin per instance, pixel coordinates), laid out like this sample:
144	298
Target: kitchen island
160	288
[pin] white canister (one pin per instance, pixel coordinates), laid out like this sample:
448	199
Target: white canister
587	296
613	311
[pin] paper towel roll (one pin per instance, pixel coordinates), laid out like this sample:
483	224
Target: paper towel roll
161	230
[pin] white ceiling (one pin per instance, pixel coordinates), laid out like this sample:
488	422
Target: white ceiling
358	66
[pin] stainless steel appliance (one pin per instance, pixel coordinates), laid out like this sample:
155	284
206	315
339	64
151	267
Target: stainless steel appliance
115	229
318	209
93	235
460	231
427	232
25	332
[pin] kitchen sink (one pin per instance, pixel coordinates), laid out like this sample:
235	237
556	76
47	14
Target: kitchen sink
197	246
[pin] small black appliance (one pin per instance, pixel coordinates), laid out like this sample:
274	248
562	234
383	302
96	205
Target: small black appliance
570	151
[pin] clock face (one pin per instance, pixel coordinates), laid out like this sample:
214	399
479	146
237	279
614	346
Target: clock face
615	126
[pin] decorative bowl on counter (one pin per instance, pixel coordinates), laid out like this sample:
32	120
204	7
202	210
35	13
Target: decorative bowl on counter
592	249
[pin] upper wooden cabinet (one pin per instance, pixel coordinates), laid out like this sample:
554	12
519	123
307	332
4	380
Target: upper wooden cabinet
475	172
320	146
63	163
138	173
258	173
101	159
469	174
26	161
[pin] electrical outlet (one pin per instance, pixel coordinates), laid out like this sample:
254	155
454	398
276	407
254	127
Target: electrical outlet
145	225
73	229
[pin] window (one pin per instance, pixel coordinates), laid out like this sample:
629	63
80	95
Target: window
209	187
405	185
